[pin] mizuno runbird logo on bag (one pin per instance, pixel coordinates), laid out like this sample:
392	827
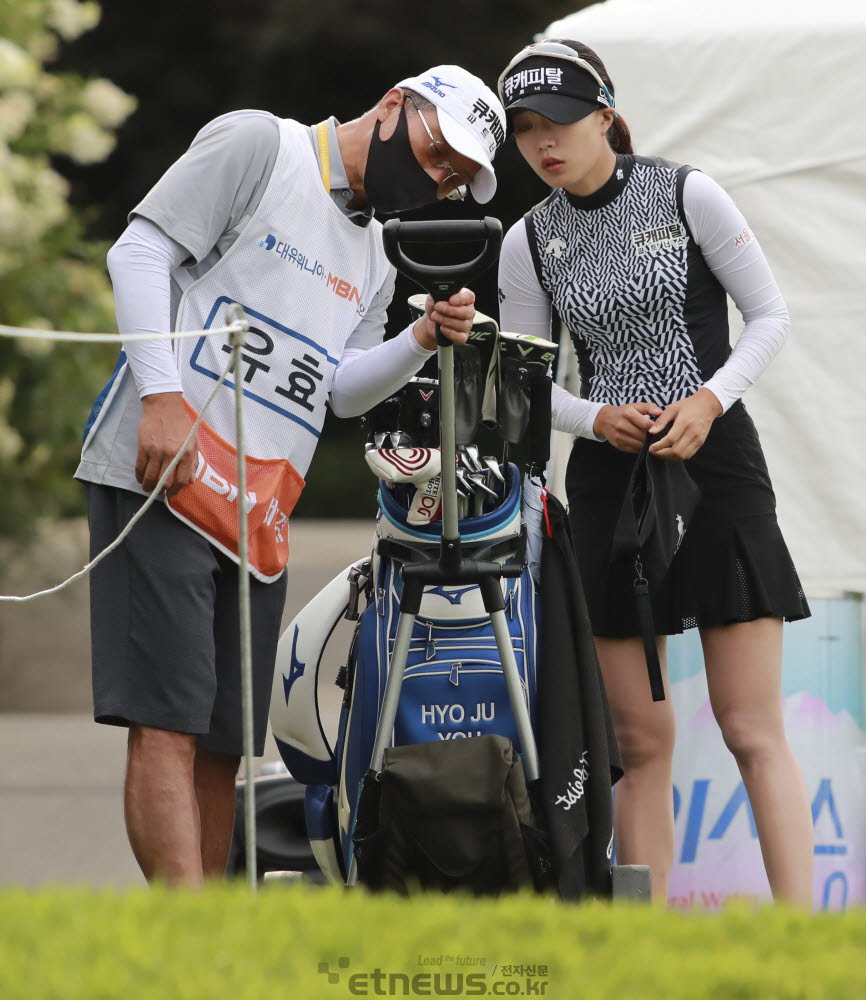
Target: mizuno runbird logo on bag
209	504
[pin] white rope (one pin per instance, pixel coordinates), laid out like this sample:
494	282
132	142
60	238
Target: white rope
234	328
25	333
236	331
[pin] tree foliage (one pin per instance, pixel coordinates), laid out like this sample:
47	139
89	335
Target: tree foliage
51	275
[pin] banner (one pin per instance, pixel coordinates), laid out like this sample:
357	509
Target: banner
717	851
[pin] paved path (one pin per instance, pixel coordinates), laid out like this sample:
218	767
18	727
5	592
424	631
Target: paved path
61	815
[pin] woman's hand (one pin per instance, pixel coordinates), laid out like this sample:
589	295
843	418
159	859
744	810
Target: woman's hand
689	420
626	427
454	318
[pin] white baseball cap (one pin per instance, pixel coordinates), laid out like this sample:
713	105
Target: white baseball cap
470	116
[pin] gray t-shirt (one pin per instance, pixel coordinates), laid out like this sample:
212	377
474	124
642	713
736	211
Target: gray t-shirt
206	197
202	202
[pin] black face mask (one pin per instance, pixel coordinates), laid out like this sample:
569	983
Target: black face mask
394	180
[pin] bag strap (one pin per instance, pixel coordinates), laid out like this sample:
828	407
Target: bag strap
644	609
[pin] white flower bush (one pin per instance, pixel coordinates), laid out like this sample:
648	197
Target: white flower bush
10	439
46	114
81	139
67	115
51	275
18	69
33	199
70	18
17	108
107	103
33	348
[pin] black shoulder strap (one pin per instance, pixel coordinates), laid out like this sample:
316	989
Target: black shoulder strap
532	237
682	173
656	161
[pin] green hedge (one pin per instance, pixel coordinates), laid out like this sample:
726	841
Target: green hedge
77	944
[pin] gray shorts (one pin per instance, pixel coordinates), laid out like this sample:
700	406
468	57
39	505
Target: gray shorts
164	627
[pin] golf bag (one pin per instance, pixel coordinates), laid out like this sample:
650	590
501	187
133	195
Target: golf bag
453	688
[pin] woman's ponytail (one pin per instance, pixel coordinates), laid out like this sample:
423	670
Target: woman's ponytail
619	136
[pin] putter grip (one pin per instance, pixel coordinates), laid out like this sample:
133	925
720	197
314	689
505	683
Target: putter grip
441	281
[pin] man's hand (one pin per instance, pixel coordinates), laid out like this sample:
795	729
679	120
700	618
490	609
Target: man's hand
689	420
454	317
163	429
626	426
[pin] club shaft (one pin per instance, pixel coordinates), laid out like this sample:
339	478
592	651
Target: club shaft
447	441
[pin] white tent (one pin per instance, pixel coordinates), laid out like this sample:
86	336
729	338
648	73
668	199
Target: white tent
769	98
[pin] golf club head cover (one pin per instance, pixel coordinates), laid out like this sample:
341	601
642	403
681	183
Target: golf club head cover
426	505
522	359
468	391
526	347
513	399
482	322
404	465
488	401
483	335
417	306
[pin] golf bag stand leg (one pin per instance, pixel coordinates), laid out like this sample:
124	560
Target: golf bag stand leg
410	605
494	604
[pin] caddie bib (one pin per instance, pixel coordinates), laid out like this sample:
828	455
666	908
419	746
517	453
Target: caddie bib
210	502
304	275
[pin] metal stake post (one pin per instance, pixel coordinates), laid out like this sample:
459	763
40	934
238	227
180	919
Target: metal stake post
235	314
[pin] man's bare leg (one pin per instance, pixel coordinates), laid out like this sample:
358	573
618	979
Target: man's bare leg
215	790
162	815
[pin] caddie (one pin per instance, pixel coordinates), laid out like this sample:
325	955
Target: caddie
281	218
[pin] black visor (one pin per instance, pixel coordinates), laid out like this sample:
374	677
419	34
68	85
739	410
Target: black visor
554	88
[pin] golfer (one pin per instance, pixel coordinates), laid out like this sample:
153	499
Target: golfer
281	218
636	255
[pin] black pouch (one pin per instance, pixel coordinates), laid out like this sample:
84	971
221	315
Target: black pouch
450	815
660	500
419	412
412	411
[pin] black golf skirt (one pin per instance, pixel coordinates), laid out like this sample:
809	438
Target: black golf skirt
733	564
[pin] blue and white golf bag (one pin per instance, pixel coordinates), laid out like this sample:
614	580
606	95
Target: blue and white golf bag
453	684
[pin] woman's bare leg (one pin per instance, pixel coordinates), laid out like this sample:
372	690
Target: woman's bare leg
644	810
744	677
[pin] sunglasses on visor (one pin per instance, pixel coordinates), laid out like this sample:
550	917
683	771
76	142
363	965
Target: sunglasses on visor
552	50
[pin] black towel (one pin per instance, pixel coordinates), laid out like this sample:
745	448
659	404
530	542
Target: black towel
578	754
